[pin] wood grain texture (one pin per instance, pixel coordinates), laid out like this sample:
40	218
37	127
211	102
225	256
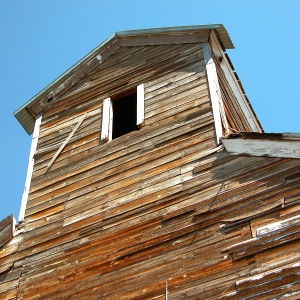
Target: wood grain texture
118	220
6	229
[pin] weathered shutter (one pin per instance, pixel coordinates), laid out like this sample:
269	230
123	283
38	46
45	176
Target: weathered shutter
110	122
106	131
214	89
140	104
33	147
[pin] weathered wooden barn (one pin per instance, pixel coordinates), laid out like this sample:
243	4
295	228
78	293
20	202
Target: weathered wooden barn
150	177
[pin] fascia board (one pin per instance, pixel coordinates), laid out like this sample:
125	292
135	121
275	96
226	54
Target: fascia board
65	74
23	112
285	148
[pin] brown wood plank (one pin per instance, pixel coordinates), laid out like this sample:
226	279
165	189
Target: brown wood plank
6	229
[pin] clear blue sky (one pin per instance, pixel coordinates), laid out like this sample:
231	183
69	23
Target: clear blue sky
39	40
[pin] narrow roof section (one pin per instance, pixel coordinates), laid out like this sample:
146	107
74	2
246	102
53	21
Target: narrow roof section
285	144
26	114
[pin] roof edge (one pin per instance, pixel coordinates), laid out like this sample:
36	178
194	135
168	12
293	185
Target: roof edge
283	145
225	40
26	118
67	72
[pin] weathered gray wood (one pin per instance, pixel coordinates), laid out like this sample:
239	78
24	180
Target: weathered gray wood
177	127
262	147
10	275
65	143
7	228
120	161
214	89
130	69
9	285
231	79
163	39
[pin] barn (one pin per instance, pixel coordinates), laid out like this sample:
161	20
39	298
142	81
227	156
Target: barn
150	177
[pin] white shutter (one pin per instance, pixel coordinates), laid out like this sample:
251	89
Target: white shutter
140	104
214	89
110	122
106	120
33	146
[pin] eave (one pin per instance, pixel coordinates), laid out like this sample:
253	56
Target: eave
285	145
27	113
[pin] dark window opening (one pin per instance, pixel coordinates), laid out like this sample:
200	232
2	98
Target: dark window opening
124	115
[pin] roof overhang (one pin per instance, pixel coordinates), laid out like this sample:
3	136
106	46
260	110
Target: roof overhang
27	113
285	145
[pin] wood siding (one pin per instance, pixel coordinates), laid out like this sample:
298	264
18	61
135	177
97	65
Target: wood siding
162	205
240	115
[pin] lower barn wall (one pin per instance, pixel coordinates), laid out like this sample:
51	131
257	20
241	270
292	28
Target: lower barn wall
230	231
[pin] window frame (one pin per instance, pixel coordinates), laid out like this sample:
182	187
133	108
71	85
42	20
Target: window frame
107	113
